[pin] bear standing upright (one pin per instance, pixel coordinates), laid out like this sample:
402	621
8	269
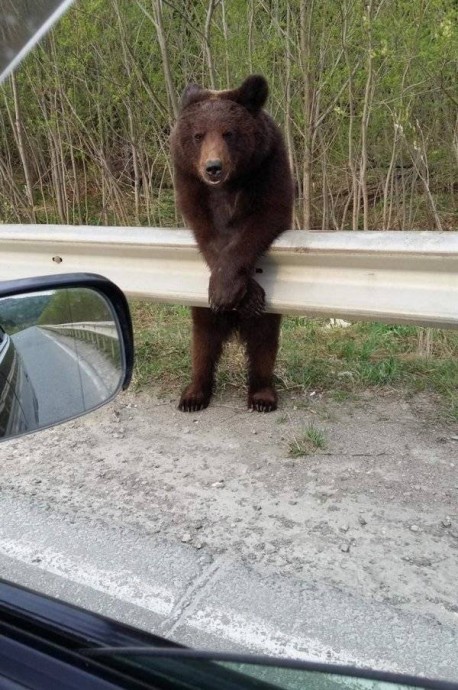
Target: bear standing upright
234	188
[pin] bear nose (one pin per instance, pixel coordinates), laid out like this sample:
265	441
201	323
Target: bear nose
214	167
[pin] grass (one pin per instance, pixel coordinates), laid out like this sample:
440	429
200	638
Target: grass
162	344
339	361
312	440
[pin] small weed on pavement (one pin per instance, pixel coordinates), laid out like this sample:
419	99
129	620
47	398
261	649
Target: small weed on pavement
312	440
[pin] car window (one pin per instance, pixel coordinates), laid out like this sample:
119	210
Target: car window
22	24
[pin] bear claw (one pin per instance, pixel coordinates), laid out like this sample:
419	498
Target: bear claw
264	400
191	401
254	302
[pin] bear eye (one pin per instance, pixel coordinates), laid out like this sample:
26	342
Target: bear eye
228	134
198	136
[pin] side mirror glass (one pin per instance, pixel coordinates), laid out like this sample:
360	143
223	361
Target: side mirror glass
61	355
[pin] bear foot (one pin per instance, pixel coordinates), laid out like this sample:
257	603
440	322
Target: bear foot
263	400
194	399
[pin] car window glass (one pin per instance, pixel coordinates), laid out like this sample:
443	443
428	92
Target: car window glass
22	23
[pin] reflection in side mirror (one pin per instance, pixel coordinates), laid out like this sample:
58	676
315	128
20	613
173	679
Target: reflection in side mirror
61	355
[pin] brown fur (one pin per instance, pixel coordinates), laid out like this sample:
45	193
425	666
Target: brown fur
234	188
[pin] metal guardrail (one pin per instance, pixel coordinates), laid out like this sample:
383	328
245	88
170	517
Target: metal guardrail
103	334
394	277
106	329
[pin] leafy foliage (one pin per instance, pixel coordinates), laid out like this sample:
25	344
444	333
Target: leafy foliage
366	94
74	305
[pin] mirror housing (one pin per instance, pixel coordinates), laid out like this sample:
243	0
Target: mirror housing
66	348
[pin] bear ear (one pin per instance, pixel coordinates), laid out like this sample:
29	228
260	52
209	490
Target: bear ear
192	94
252	94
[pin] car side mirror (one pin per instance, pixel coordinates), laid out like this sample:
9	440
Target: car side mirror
66	348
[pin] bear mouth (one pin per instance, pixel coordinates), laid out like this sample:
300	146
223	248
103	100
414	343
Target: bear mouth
214	180
213	172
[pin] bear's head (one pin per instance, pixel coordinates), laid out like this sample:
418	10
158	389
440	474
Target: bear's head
221	135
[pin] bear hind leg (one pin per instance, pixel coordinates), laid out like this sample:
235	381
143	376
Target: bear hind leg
261	335
209	332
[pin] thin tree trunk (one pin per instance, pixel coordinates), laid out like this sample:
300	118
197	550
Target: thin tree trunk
130	118
353	193
306	13
208	53
388	186
21	147
226	43
368	93
420	162
288	94
166	66
251	12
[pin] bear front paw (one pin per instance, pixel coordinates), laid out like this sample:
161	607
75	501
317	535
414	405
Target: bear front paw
254	302
225	290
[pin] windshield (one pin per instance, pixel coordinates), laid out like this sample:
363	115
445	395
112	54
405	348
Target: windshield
211	670
22	24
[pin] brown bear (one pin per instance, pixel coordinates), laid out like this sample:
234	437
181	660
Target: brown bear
234	188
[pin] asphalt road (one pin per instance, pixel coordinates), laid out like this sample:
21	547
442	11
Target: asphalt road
209	602
199	527
65	382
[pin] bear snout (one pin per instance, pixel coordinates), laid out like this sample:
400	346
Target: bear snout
214	164
214	169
